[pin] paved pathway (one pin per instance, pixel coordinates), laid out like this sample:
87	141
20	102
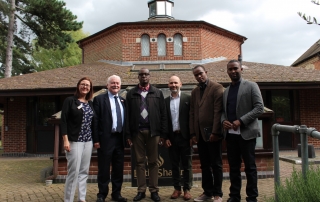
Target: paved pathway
20	180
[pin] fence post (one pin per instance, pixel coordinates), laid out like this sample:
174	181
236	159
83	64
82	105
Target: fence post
275	136
304	149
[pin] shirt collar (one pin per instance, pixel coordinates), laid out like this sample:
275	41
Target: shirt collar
111	95
144	88
175	97
203	85
237	83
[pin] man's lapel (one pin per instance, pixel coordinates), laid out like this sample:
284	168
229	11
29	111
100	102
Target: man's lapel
107	104
167	101
205	93
225	97
240	91
123	104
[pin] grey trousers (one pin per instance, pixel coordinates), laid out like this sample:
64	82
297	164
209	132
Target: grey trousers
145	145
78	168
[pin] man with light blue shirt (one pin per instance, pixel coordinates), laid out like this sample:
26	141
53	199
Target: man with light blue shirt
178	140
109	138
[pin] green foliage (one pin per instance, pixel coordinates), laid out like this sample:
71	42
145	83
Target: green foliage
297	188
309	19
45	59
21	47
49	22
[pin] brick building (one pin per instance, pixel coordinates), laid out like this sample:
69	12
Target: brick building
310	59
167	47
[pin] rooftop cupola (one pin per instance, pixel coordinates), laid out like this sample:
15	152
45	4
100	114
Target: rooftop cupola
160	9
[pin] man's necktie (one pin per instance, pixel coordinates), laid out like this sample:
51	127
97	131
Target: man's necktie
118	111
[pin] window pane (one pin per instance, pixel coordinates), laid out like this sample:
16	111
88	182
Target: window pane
259	140
177	39
281	105
153	9
145	45
169	8
161	8
46	108
161	45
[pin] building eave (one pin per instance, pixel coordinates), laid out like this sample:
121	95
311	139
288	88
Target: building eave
160	22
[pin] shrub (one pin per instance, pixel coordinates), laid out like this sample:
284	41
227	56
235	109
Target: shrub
297	188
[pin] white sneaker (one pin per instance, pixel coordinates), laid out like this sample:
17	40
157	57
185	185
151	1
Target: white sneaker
203	197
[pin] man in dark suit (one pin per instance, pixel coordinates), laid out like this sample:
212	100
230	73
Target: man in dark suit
109	139
178	142
205	112
242	105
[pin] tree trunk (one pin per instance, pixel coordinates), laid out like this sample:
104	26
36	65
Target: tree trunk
8	65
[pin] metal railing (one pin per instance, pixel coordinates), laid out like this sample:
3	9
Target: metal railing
304	133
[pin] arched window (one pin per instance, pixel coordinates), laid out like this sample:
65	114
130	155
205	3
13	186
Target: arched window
177	39
145	45
161	45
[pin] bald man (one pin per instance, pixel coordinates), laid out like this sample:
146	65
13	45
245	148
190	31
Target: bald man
178	141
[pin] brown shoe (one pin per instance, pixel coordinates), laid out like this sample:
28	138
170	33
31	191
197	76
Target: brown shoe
187	196
175	194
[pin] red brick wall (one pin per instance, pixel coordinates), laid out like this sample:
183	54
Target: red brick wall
309	112
120	44
216	45
132	50
311	63
317	65
14	140
107	46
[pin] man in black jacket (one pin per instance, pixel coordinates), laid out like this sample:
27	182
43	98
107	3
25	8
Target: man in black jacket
146	128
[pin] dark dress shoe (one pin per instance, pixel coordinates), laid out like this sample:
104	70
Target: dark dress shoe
119	199
139	196
155	196
99	199
233	200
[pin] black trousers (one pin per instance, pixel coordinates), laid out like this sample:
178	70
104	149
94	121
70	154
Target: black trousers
210	155
111	156
181	152
238	149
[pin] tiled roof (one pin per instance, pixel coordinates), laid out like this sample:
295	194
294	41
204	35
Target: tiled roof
312	51
99	72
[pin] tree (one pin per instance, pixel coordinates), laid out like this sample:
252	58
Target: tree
309	19
46	20
45	59
21	49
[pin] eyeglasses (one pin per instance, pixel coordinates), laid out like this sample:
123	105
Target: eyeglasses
144	74
84	85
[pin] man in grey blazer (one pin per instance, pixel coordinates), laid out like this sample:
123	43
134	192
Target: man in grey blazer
242	105
178	140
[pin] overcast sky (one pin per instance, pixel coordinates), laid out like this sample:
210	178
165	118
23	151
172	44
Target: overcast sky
275	32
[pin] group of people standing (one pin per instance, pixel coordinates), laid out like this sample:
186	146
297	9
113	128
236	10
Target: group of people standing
145	120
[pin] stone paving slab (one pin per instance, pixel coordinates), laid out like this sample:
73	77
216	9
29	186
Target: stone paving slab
292	157
20	181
